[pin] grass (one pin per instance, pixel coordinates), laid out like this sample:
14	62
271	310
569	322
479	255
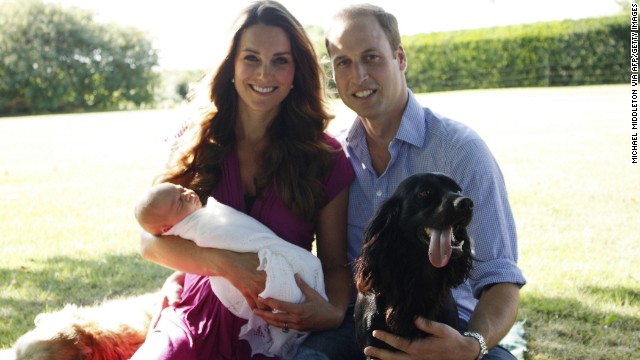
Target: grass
68	182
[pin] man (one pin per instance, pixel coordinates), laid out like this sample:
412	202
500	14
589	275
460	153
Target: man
395	137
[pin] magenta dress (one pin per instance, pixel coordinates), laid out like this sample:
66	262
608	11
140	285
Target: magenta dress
200	327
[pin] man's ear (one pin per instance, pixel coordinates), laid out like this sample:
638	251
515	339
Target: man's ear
402	58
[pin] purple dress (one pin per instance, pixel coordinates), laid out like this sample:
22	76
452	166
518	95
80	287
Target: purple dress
200	327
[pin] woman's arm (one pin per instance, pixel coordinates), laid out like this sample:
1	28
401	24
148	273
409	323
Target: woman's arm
185	256
317	314
331	243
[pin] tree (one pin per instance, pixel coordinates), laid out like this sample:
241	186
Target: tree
316	34
54	59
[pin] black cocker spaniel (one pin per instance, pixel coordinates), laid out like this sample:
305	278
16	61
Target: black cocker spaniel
416	249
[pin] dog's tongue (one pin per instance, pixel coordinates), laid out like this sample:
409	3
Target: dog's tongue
440	247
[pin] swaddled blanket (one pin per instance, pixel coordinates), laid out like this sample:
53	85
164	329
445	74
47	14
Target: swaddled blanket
220	226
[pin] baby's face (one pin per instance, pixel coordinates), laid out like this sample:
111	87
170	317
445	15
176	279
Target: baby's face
178	202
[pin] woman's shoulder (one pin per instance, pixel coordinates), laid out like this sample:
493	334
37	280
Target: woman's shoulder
331	141
342	173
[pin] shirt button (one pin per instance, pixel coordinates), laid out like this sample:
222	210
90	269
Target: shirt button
379	193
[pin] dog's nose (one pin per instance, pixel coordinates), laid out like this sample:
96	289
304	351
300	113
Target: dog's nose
463	203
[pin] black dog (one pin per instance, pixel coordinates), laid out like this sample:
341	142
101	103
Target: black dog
396	279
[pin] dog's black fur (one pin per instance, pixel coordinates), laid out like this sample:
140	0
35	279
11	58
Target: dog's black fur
395	280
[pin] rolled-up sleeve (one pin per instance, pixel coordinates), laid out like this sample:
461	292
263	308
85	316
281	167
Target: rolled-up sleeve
492	230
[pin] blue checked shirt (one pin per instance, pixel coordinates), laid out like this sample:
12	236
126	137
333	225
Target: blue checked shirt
427	142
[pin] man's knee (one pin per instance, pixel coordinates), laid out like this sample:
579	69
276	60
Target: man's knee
499	353
330	345
338	344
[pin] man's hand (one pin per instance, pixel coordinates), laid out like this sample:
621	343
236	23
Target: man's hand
444	342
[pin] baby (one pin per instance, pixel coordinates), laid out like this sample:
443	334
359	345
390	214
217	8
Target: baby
169	209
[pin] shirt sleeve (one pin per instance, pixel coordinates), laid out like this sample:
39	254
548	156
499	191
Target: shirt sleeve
492	230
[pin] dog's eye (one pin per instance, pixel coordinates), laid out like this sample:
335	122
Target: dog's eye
424	194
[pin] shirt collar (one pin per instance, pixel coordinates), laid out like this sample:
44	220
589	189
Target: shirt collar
410	130
413	128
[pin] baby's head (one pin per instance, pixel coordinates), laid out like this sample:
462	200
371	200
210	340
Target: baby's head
165	205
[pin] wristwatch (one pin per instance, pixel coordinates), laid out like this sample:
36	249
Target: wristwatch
483	345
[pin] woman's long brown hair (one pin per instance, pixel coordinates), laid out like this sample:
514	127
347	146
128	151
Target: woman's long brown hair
297	159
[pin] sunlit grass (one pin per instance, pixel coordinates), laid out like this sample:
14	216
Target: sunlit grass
567	162
67	185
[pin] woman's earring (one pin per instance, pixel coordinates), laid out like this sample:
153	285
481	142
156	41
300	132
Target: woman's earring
233	80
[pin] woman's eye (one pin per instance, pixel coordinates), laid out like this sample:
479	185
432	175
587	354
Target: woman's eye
251	58
281	61
423	194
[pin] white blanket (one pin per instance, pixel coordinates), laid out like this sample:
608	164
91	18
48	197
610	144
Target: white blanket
220	226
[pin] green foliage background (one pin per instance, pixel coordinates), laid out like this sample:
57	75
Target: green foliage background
558	53
55	59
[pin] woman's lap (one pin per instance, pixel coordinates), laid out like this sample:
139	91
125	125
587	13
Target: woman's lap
200	327
168	340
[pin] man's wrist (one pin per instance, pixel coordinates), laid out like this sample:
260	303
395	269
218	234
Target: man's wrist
483	345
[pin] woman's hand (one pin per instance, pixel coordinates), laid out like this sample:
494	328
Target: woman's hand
240	270
172	289
184	255
314	314
171	294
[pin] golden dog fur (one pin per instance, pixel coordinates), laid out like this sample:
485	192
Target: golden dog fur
113	330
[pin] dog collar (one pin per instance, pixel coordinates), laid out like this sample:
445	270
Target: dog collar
483	344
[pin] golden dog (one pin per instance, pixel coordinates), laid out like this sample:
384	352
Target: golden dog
113	330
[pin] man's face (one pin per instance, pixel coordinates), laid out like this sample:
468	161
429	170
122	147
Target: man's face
369	75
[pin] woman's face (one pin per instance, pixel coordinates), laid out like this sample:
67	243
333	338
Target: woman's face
264	69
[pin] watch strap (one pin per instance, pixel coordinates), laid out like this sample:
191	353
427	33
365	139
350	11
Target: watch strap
483	345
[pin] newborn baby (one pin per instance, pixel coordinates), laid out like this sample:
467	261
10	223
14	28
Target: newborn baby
169	209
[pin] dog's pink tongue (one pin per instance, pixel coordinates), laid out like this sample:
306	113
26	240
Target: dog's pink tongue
440	247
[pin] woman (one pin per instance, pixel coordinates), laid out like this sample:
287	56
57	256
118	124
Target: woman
261	149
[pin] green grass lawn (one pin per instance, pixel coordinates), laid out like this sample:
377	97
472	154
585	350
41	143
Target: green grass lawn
68	184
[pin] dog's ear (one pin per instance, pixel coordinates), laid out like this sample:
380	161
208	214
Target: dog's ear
386	215
461	267
362	276
371	272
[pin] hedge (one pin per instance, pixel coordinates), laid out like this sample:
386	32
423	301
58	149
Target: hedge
58	59
558	53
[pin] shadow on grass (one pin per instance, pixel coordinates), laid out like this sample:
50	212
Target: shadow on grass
50	284
552	323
